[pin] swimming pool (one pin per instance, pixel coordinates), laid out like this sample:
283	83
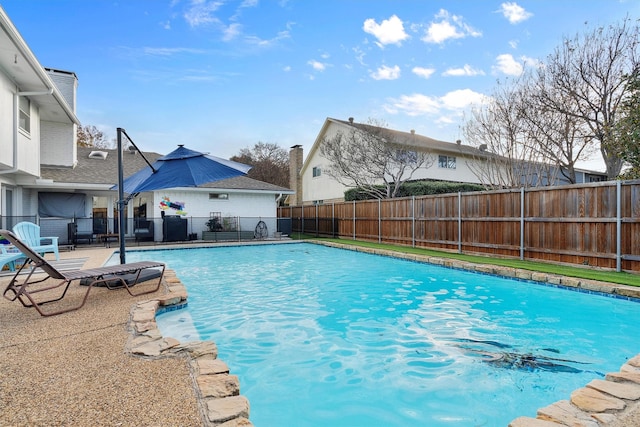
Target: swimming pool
321	336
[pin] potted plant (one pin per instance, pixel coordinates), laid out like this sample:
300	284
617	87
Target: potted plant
221	229
214	224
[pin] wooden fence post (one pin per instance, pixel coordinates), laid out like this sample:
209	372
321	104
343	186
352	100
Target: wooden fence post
413	221
521	223
379	221
333	220
459	222
354	220
618	226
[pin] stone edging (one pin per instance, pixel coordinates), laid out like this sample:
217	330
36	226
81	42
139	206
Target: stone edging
217	391
601	402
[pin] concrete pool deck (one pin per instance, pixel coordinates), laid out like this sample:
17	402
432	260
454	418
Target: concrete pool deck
82	368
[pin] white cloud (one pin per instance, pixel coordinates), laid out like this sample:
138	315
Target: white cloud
513	44
514	12
531	62
317	65
231	32
201	12
418	104
389	31
461	98
171	51
506	64
414	105
467	70
286	68
386	73
448	27
441	31
359	55
423	72
257	41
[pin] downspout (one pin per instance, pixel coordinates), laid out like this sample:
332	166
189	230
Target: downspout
16	110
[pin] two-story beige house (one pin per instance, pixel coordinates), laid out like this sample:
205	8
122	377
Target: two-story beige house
453	162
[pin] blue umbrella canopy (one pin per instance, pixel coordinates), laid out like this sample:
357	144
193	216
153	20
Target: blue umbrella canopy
182	168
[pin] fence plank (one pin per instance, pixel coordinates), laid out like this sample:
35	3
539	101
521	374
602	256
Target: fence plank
570	224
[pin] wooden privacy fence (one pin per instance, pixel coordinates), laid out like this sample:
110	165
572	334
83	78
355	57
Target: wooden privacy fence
594	224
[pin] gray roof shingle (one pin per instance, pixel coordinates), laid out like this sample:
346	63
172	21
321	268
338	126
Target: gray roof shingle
414	139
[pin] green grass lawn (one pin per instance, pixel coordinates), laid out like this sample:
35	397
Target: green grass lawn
543	267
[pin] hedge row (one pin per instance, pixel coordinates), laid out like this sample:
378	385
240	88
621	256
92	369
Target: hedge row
418	188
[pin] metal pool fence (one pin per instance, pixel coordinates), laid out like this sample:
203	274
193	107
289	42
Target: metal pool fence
82	231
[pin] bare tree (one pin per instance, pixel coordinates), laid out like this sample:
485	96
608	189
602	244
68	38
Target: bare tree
560	136
584	78
269	161
370	156
627	130
505	156
91	136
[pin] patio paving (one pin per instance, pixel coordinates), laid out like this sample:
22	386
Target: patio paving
72	369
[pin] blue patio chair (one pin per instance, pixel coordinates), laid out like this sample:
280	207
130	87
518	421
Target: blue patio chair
8	258
29	233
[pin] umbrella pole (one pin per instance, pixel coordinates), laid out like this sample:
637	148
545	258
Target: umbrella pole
121	201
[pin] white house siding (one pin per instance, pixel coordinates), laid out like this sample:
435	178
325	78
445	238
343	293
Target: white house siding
321	188
324	189
7	116
461	173
28	143
58	147
67	83
250	207
58	144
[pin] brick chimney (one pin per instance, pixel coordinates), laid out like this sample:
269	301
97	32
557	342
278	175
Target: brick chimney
295	179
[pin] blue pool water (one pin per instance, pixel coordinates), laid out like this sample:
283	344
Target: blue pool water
329	337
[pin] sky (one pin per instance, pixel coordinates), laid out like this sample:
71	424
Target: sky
222	75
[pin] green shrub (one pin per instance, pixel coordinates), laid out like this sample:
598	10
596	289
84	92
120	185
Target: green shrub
418	188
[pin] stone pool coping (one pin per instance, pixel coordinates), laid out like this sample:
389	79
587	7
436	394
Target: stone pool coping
217	391
606	402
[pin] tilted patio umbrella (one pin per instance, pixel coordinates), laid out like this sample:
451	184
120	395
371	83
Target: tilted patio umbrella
183	168
180	168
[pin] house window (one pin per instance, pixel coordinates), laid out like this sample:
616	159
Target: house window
25	114
317	171
218	196
447	162
407	157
